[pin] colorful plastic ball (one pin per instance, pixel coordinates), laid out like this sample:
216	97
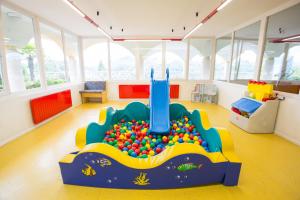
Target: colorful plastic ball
158	150
133	154
151	153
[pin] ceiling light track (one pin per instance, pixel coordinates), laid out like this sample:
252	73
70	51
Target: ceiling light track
82	14
210	15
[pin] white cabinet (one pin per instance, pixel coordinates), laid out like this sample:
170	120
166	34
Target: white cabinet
262	120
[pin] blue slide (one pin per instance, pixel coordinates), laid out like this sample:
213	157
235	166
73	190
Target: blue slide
159	105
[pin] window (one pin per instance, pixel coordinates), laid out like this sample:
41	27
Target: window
72	56
22	65
95	53
223	57
245	53
151	57
53	55
122	61
1	75
199	61
175	59
281	61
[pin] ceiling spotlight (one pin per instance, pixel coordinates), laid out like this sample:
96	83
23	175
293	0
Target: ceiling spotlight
184	28
98	13
172	30
110	27
197	14
122	29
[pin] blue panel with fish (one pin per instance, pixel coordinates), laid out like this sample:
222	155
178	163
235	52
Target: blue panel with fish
98	170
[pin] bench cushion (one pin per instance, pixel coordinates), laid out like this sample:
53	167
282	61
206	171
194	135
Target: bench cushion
95	85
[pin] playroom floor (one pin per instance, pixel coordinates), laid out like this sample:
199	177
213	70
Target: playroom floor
29	165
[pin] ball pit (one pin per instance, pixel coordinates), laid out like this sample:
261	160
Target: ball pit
133	138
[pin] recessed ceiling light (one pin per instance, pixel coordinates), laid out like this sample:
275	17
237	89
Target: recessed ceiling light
98	13
197	14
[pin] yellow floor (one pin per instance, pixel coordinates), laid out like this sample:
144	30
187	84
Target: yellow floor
29	165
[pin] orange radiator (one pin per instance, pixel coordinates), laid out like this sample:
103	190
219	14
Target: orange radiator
44	107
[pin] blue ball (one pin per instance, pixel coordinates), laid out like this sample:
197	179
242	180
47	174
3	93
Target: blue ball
180	140
204	143
125	149
133	154
137	141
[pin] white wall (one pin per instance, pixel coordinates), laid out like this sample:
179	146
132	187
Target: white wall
185	88
288	118
16	119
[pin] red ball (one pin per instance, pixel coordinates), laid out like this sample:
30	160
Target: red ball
181	135
158	150
129	146
121	146
133	148
144	152
137	151
135	145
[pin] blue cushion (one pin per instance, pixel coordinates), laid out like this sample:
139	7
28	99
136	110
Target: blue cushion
95	85
247	105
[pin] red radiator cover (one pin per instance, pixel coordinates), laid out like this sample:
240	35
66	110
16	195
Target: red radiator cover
44	107
143	91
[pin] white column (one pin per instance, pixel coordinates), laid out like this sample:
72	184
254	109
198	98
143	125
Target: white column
39	52
67	67
163	68
187	61
6	86
81	59
108	62
261	47
229	68
213	58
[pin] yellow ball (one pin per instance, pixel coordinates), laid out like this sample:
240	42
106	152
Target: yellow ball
195	138
146	137
151	153
153	140
125	152
171	142
187	125
185	139
122	137
186	135
148	146
180	124
197	142
174	139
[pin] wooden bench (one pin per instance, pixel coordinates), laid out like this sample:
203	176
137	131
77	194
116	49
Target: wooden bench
94	89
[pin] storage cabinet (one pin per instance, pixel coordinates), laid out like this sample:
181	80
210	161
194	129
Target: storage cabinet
261	116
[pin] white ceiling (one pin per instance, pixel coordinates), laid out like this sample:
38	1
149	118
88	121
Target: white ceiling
148	18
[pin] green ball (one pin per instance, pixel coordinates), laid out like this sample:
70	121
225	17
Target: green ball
144	156
132	137
111	143
152	144
130	151
112	135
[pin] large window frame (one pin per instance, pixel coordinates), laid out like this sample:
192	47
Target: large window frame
260	53
40	60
